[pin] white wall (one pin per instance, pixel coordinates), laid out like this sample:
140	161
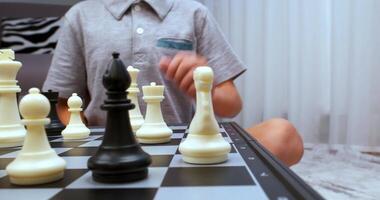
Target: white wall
316	63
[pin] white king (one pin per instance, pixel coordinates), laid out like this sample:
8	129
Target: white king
12	132
204	144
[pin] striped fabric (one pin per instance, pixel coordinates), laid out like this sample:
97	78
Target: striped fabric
30	35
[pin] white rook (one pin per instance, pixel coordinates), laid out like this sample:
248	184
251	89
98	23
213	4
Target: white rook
12	132
154	129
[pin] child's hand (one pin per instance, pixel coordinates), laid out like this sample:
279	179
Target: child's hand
180	70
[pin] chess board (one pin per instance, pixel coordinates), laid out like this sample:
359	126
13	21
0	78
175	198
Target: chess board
250	173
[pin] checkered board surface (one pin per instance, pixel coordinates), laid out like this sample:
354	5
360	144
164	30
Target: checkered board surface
243	176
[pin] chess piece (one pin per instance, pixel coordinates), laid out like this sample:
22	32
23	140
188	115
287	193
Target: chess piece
37	162
55	127
12	132
204	144
119	158
135	114
154	130
75	129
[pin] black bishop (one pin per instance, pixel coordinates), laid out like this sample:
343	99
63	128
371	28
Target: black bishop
119	158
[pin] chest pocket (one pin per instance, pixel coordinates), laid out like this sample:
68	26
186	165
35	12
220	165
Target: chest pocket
170	46
176	44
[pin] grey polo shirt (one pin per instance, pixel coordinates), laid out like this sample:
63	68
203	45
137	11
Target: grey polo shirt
143	32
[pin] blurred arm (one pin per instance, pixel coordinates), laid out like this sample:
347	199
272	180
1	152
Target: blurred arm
62	111
226	99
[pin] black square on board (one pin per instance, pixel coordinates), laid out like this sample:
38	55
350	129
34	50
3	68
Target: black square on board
50	138
80	151
4	162
207	176
171	142
8	150
179	131
138	193
96	133
161	160
66	144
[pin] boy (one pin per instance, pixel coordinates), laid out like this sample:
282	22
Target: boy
166	40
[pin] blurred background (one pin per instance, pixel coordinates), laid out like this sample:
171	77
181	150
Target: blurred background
315	63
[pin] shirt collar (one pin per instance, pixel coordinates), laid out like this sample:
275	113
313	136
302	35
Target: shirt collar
118	7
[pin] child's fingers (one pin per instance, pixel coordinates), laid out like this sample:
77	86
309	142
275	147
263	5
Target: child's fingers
186	81
164	63
185	66
173	66
191	91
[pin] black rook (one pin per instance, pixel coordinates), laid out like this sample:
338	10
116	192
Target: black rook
119	158
55	126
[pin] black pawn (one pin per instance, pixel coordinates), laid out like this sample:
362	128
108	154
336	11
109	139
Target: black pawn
55	126
119	158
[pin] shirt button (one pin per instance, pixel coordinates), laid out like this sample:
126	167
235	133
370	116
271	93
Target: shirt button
137	8
140	30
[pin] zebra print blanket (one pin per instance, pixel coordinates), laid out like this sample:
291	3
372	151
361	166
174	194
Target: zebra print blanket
30	35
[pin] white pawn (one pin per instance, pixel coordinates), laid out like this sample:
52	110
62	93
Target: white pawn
204	144
135	115
37	162
154	130
75	129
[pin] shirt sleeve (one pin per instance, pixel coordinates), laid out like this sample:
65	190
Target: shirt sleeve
212	44
67	72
